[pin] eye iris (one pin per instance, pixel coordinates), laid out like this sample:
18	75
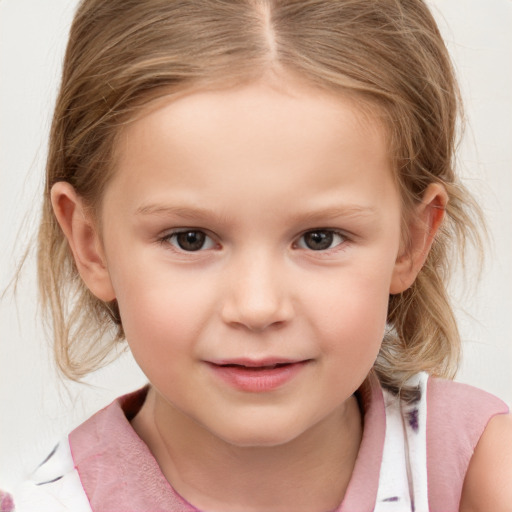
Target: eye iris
191	240
318	240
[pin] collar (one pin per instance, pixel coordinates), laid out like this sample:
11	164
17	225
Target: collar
118	472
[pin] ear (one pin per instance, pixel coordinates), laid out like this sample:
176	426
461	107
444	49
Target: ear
425	222
83	238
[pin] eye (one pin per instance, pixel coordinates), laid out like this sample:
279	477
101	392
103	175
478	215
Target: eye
320	240
189	240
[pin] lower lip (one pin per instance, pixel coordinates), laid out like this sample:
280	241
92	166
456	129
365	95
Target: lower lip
255	380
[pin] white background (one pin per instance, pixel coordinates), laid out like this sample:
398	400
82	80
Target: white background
35	407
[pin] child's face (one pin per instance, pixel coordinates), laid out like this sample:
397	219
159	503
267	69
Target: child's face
293	222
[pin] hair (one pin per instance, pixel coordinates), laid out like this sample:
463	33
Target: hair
387	54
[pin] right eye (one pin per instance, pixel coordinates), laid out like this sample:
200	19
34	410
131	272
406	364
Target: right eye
189	240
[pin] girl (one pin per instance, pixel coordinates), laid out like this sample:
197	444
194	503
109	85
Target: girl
259	197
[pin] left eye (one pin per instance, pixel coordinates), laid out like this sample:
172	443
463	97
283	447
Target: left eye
190	240
320	240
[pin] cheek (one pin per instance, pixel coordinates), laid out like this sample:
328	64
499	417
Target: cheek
352	312
353	328
161	331
161	309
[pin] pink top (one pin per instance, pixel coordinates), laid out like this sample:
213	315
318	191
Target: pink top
457	415
118	472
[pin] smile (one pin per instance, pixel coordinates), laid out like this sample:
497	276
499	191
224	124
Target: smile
257	377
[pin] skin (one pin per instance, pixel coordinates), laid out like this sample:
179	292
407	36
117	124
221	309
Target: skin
254	168
488	482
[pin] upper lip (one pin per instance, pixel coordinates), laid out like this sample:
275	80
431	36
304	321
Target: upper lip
256	363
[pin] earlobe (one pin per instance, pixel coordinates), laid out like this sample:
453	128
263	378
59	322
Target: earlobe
426	220
83	240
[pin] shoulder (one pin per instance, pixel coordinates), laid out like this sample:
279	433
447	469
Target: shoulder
460	412
6	502
458	399
457	417
54	487
488	482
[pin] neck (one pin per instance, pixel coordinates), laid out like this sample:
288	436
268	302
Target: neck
310	473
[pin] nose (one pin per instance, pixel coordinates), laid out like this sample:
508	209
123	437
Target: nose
256	294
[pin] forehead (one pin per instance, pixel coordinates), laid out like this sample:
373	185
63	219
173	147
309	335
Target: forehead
273	99
281	137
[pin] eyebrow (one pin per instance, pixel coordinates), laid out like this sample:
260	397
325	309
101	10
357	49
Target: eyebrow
196	213
184	212
337	211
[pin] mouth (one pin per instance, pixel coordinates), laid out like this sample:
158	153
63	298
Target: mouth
258	376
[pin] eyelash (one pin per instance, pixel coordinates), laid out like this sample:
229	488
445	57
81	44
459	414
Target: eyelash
332	234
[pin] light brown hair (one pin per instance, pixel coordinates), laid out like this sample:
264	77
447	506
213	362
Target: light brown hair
387	53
